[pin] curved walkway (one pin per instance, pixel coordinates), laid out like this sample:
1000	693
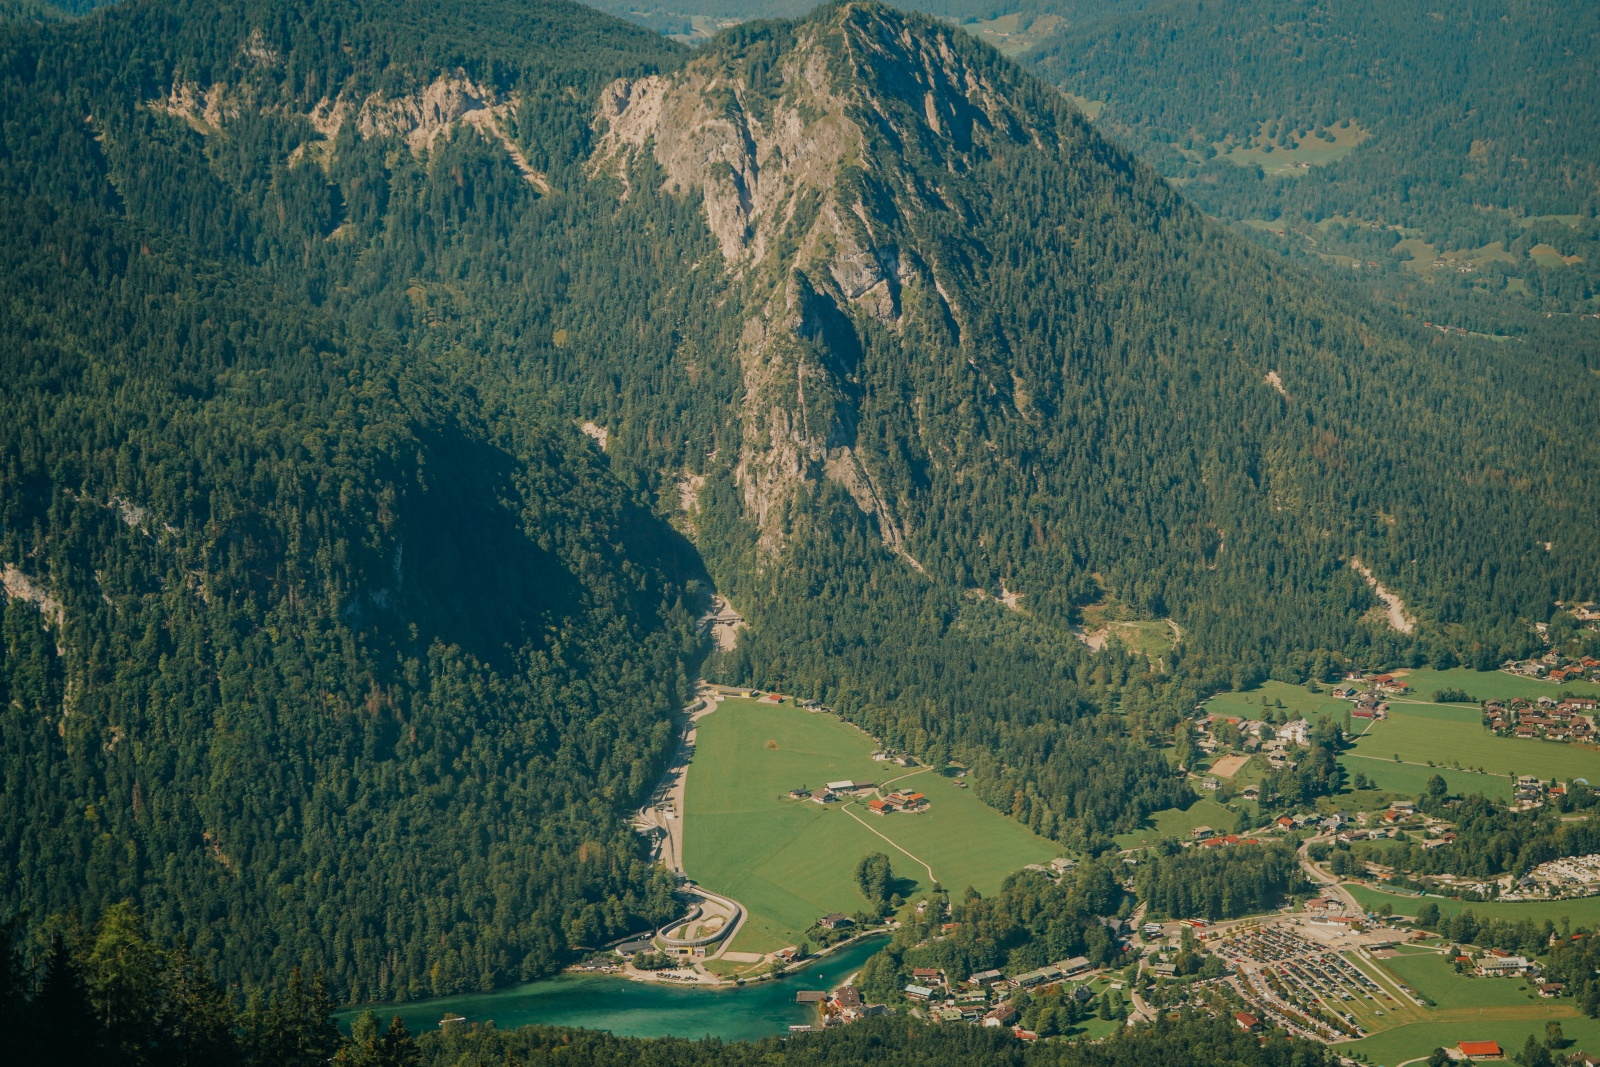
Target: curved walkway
735	916
863	822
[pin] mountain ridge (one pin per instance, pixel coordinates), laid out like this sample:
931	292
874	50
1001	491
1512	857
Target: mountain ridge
906	327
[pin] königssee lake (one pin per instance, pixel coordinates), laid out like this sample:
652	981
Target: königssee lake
643	1009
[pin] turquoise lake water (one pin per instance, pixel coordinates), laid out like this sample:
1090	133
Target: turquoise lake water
643	1009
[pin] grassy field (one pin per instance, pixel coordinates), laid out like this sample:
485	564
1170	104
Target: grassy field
791	861
1431	975
1289	162
1584	911
1464	1009
1297	700
1484	685
1150	638
1416	1040
1015	34
1418	731
1451	736
1407	780
1174	822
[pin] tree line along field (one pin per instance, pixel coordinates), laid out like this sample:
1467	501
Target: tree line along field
790	862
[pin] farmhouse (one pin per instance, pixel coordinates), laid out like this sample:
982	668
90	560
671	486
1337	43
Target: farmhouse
900	801
835	921
1480	1050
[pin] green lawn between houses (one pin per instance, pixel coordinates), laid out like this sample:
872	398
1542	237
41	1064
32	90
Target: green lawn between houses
1486	685
1435	978
1297	700
790	862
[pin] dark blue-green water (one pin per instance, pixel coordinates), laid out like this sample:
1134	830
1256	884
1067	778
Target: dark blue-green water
644	1009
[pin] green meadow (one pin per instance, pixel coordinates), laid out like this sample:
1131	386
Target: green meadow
1464	1008
1177	822
1486	685
1407	780
1448	1029
1429	738
1450	736
789	862
1584	912
1297	700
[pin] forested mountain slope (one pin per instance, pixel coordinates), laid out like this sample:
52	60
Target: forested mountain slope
1479	103
340	666
1445	152
364	652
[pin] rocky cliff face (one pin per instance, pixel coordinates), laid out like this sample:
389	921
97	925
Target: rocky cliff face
825	154
421	118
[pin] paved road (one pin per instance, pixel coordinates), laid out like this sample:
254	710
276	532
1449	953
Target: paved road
673	785
1327	881
655	814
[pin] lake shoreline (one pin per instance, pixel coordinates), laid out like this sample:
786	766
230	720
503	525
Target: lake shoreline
596	1000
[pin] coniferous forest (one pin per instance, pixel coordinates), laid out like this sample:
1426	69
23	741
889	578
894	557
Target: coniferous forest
376	420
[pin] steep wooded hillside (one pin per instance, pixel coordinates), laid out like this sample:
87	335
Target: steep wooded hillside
318	657
364	650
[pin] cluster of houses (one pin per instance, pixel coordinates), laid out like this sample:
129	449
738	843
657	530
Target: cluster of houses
843	1006
1360	686
897	801
1567	719
1250	730
1369	705
1554	667
1206	837
1572	876
984	999
834	791
1529	792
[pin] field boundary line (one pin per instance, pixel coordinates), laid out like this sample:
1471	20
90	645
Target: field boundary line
892	841
1431	767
